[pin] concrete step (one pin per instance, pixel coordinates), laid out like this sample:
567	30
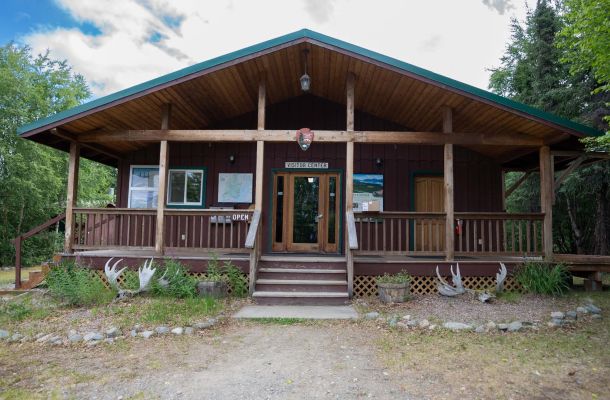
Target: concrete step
300	298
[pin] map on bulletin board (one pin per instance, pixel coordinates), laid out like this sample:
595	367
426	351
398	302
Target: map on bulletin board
367	188
235	188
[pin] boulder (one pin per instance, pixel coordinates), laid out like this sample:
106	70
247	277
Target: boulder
457	326
558	315
503	327
371	315
189	330
205	325
515	326
91	336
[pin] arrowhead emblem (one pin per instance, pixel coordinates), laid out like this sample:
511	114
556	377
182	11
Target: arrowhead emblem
304	138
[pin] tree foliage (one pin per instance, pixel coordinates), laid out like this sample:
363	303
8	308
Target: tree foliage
539	69
32	176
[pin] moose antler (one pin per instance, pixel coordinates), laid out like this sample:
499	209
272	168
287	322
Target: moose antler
445	288
457	288
145	274
500	278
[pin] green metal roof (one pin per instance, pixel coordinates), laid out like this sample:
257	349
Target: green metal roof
308	34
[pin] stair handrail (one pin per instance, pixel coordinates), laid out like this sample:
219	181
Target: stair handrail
18	241
352	241
351	231
253	242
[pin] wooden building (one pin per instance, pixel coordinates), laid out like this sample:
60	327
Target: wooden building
314	165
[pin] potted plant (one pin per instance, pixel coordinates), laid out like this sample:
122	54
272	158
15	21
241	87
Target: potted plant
394	288
214	284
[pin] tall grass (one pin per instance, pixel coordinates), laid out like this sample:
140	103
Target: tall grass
77	285
541	278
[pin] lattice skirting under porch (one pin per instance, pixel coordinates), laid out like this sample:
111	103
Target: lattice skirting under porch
199	275
365	285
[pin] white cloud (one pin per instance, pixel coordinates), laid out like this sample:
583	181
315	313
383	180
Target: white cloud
143	39
501	6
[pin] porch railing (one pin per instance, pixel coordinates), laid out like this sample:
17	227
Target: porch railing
483	233
499	233
112	228
400	233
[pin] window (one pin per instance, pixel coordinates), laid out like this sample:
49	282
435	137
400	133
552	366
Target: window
143	186
185	187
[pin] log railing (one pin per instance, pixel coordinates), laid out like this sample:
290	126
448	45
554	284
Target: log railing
129	228
400	233
499	233
253	242
218	230
18	243
352	245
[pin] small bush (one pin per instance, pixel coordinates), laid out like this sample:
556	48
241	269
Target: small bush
236	279
536	277
181	284
401	277
77	285
214	272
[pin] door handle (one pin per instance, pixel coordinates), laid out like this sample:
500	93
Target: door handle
319	217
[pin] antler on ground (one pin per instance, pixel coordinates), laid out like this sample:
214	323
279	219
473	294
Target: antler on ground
145	274
445	288
500	278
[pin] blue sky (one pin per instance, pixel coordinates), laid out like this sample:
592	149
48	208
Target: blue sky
20	18
116	44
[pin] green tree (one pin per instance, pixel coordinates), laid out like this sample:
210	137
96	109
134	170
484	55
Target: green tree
32	176
536	71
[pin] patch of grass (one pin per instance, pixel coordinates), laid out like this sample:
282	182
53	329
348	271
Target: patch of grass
510	297
280	321
20	309
541	278
160	310
20	394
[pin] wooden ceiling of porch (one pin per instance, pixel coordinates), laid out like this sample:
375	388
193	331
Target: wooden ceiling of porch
205	99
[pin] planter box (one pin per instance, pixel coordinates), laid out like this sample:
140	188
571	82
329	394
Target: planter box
394	292
212	289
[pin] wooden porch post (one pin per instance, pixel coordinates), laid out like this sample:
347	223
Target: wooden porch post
162	190
72	194
260	147
546	200
349	179
448	178
258	190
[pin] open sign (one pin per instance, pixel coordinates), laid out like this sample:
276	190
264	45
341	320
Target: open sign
240	217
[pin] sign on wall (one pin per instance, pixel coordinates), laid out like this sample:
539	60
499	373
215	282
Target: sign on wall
306	165
234	188
368	192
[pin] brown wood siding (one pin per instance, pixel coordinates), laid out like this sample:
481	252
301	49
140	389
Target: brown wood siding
477	177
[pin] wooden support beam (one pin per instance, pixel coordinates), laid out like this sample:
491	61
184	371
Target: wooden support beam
349	177
516	184
448	181
503	179
72	195
546	200
260	148
72	138
162	189
379	137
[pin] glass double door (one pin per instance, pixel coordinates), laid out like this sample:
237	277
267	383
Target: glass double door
306	212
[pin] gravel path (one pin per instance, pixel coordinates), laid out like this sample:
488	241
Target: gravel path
257	362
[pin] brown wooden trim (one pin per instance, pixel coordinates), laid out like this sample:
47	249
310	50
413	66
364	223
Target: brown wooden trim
518	183
72	194
97	148
162	189
246	135
546	200
448	185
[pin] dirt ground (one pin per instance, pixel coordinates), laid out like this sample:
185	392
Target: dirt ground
293	359
311	360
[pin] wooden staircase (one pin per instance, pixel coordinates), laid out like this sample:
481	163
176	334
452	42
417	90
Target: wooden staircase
35	278
290	280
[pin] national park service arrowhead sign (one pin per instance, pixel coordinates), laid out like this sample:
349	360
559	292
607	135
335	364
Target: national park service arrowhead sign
304	138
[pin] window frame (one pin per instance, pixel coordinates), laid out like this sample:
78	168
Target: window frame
201	204
131	188
203	170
